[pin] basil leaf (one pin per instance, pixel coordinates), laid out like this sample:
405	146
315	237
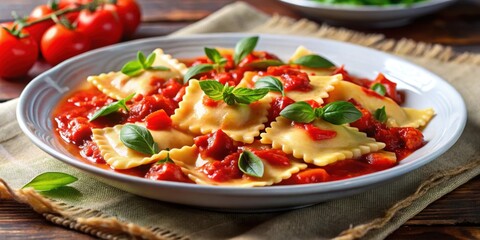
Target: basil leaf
341	112
299	112
159	68
112	107
248	95
150	60
165	160
228	96
244	47
313	61
141	59
380	114
50	180
212	89
264	64
215	56
139	139
132	68
195	70
379	88
250	164
270	83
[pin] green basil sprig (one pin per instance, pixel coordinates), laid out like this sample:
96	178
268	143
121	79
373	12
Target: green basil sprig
313	61
244	47
50	180
250	164
112	107
270	83
197	69
231	95
379	88
136	67
337	113
139	139
264	64
380	114
215	56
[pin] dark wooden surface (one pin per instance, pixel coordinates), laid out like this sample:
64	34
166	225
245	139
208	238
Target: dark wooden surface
454	216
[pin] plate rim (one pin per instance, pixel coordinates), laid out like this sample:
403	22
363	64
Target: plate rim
363	8
361	181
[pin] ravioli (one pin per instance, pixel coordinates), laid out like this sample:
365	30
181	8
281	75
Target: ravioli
348	143
118	85
241	122
119	156
189	159
321	86
396	115
302	51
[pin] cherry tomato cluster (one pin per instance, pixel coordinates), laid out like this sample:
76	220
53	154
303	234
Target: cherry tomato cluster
62	29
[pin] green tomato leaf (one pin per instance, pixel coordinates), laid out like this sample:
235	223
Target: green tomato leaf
270	83
248	95
150	60
379	88
50	180
244	47
132	68
264	64
380	114
299	112
112	107
195	70
212	89
139	139
340	112
313	61
250	164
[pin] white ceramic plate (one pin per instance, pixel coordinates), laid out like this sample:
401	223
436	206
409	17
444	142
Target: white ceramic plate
367	16
423	89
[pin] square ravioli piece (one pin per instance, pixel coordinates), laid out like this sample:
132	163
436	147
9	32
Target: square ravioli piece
321	86
241	122
119	156
370	100
192	164
348	142
118	85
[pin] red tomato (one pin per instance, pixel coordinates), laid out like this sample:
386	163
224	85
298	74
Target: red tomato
17	55
130	15
38	29
315	175
166	172
72	43
102	26
216	145
158	120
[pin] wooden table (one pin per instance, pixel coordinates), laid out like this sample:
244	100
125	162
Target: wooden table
454	216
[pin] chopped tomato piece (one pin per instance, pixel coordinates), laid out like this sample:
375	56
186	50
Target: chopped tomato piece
316	133
347	77
158	120
292	78
391	88
379	161
78	131
167	172
223	170
170	88
277	105
273	156
313	103
207	101
313	175
90	151
216	145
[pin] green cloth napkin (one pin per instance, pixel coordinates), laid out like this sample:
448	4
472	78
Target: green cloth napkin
20	160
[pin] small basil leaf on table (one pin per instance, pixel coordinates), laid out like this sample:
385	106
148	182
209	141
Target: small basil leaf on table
341	112
248	95
195	70
112	107
299	112
139	139
50	180
212	89
380	114
270	83
244	47
250	164
313	61
379	88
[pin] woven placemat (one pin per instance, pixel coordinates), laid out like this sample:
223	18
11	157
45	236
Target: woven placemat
106	212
